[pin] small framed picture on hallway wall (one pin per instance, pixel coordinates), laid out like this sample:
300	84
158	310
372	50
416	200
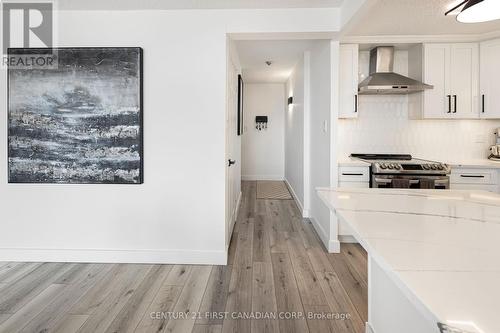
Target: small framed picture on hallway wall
240	105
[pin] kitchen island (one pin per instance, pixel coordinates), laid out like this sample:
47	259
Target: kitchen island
434	257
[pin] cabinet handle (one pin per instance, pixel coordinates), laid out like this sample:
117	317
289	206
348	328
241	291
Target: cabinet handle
455	98
449	103
352	174
472	176
482	103
356	103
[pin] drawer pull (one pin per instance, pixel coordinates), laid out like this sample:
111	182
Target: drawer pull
352	174
472	176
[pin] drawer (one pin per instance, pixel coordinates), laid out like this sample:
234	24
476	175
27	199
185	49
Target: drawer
354	184
475	187
354	174
474	176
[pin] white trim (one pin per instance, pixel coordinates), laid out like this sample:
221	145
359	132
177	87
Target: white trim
347	239
233	219
396	39
307	134
332	245
369	328
296	198
262	177
334	112
283	35
184	257
233	223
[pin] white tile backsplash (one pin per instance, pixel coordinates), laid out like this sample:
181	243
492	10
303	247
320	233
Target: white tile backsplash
383	126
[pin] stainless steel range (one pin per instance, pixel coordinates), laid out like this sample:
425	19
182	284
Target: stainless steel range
404	171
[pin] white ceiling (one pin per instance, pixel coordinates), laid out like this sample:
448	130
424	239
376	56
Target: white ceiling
414	17
192	4
283	54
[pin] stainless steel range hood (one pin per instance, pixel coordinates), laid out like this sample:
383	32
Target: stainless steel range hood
383	80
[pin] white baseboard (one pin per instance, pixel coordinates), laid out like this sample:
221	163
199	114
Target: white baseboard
233	222
188	257
332	245
369	328
347	239
234	217
296	198
262	177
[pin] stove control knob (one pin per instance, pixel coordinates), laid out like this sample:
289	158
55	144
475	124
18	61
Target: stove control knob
397	166
383	166
426	167
434	167
390	166
440	167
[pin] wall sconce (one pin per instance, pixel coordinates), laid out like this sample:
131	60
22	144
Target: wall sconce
290	100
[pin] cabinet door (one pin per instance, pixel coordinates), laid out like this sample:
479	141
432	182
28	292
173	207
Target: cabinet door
490	72
464	80
437	73
348	83
354	184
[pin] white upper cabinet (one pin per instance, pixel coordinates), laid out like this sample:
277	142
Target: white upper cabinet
464	80
490	72
437	101
348	80
453	70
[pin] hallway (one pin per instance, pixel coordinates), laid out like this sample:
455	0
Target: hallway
282	261
277	267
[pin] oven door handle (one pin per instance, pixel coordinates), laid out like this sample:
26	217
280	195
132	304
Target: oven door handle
383	181
441	181
414	181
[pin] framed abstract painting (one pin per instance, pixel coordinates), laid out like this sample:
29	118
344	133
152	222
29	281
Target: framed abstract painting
79	122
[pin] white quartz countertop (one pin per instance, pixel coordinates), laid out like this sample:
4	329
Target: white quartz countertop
352	162
441	247
475	163
479	163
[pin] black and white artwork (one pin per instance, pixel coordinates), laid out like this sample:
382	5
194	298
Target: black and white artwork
80	122
240	106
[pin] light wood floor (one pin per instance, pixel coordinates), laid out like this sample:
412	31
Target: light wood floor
277	267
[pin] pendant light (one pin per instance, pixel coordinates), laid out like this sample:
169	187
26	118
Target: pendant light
476	11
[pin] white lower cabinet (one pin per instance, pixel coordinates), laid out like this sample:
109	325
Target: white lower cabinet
354	174
354	184
352	177
466	178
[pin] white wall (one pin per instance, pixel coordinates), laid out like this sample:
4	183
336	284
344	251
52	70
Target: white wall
263	152
383	126
320	114
294	134
178	214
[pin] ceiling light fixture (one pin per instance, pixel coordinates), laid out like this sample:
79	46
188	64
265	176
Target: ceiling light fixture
475	11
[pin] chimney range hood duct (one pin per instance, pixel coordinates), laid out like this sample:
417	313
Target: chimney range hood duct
383	81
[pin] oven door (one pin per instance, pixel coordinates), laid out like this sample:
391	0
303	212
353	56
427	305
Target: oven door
410	181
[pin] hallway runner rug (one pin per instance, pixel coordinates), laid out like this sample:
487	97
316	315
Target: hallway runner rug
273	190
